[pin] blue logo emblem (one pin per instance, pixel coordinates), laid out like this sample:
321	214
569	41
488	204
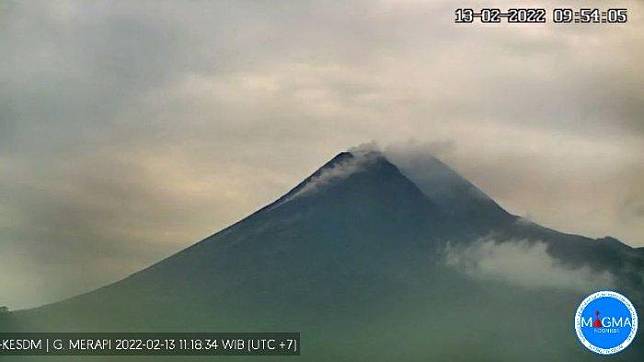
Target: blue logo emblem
606	322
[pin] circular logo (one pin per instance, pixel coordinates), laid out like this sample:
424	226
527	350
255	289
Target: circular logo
606	322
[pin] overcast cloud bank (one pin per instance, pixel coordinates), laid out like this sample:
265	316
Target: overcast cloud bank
131	129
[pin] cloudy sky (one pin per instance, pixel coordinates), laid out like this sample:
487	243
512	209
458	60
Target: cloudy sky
131	129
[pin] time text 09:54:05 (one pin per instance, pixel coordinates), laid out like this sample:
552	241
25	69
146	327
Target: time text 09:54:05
540	15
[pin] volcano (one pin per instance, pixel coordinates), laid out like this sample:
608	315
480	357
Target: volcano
353	257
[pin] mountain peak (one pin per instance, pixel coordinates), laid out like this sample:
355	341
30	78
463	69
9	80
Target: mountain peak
340	167
440	184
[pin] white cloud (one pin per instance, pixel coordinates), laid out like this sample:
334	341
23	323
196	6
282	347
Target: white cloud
524	264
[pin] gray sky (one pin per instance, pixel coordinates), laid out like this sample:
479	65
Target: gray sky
131	129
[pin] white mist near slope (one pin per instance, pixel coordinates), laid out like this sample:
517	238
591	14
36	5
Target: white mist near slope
524	264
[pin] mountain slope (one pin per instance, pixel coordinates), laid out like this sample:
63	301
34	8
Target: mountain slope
454	194
356	216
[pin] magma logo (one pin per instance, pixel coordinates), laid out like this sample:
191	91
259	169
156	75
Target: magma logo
606	322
